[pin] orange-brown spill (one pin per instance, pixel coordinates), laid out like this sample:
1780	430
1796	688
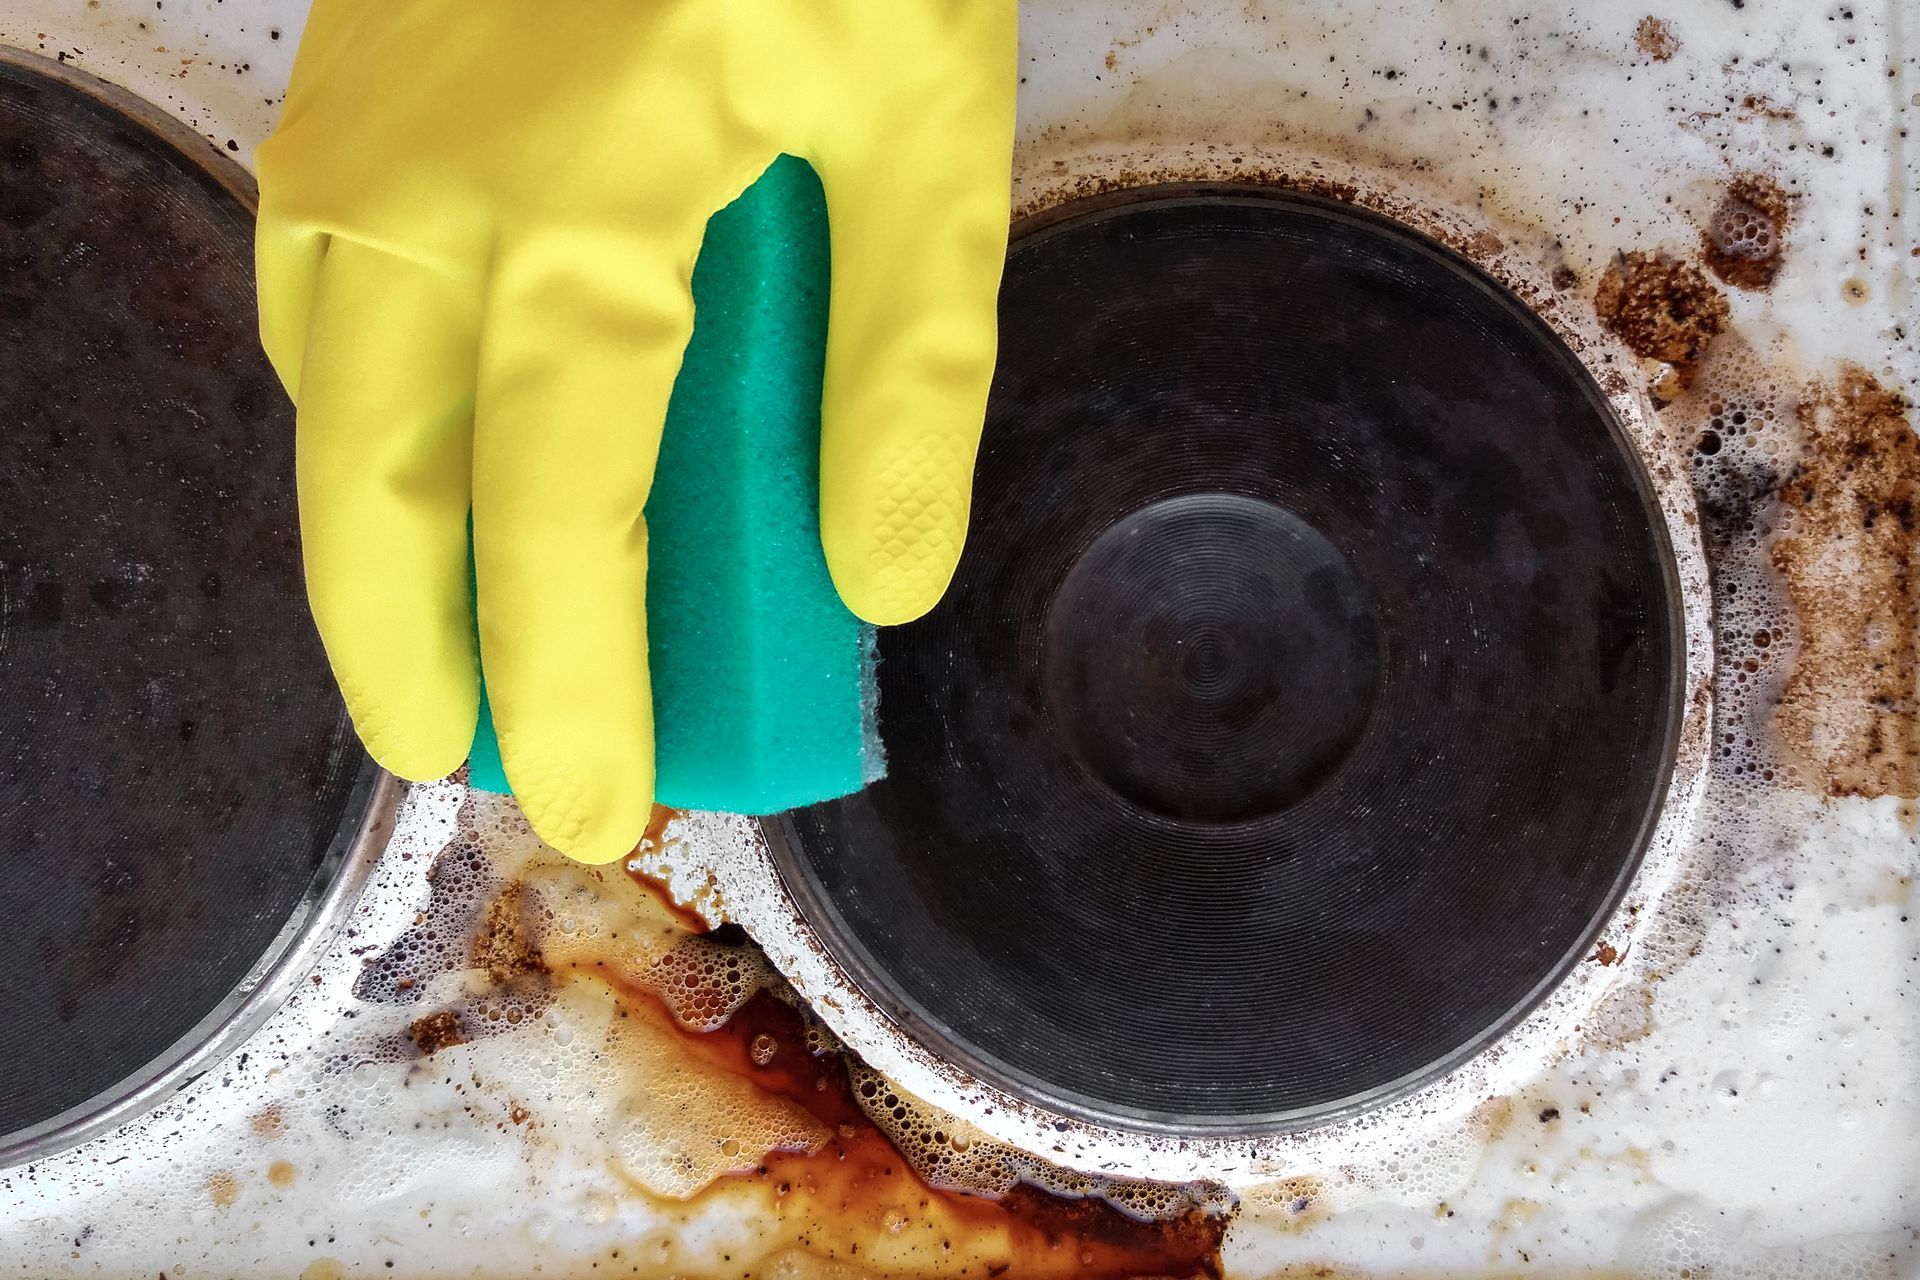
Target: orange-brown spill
223	1189
1848	712
857	1190
656	831
269	1122
1655	38
1663	309
855	1200
1745	239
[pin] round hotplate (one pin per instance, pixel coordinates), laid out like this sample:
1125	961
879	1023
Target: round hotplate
179	783
1304	699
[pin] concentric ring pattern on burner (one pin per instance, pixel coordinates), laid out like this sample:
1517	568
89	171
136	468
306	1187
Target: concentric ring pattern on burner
1304	699
178	780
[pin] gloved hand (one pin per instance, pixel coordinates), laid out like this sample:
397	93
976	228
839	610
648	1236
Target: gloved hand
478	224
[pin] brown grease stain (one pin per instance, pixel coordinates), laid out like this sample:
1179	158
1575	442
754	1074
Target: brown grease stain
856	1200
1759	106
1514	1214
685	917
857	1189
1082	186
1745	239
1621	1017
223	1189
436	1031
1848	713
654	837
1477	243
1663	309
1605	954
657	821
500	943
1636	1159
270	1122
1493	1118
1655	38
281	1173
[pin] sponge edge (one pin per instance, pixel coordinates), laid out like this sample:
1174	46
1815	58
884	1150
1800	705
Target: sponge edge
763	681
761	676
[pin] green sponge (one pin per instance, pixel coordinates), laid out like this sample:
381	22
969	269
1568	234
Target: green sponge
762	680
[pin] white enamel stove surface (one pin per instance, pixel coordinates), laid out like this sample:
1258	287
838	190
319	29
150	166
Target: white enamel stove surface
1743	1098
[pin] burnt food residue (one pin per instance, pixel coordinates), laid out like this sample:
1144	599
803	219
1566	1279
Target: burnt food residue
1663	308
1745	239
1655	38
839	1202
436	1031
1848	711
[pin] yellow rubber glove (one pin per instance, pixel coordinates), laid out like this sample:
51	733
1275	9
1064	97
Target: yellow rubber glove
478	224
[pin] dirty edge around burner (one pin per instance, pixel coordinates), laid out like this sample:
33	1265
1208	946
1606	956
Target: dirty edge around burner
732	855
616	1022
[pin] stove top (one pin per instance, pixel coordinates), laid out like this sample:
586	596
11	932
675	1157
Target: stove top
501	1061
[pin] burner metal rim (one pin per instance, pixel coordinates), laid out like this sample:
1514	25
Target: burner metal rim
111	99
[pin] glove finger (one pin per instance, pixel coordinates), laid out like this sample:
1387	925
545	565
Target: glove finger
384	459
917	257
287	261
579	356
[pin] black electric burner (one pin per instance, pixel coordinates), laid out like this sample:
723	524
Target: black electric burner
1305	698
179	784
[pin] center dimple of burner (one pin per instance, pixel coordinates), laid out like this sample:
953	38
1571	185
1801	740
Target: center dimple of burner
1212	657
